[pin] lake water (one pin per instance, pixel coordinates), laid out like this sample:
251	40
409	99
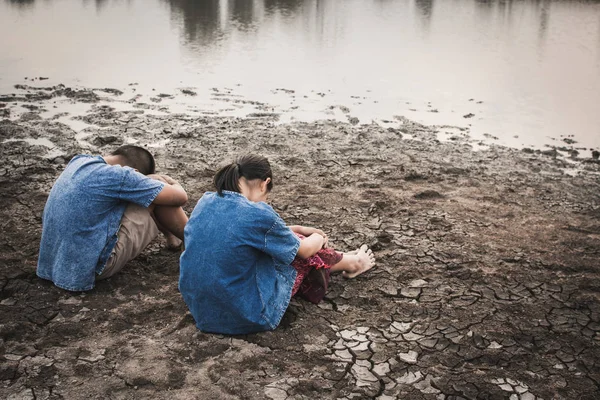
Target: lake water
528	71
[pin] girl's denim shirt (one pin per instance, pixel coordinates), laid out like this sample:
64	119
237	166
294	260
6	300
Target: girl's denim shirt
236	275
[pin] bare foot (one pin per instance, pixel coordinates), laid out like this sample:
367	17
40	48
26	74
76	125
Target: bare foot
362	261
173	242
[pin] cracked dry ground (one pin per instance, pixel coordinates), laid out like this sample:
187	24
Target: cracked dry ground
486	285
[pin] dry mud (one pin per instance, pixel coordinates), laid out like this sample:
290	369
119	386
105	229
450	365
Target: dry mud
487	284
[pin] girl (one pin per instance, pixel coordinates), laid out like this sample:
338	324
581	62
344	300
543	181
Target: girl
235	273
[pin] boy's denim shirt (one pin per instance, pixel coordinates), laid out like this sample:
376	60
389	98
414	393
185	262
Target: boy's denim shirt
235	273
82	217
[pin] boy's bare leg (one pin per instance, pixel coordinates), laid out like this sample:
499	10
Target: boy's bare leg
355	263
171	222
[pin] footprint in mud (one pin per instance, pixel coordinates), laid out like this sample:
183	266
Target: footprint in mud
176	377
429	195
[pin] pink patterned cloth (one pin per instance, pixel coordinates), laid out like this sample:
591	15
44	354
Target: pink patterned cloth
325	258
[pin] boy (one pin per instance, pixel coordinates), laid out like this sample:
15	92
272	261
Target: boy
102	212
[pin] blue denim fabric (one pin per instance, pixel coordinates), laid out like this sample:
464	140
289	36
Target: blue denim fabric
235	273
82	217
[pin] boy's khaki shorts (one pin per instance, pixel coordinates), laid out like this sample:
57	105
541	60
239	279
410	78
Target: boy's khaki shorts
137	230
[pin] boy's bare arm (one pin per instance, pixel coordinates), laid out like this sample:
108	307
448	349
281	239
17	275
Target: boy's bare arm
172	193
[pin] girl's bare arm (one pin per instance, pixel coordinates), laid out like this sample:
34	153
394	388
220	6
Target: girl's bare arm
307	231
310	245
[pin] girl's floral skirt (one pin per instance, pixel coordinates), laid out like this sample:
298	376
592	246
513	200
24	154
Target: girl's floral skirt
313	273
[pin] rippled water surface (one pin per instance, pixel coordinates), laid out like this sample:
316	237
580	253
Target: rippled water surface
527	72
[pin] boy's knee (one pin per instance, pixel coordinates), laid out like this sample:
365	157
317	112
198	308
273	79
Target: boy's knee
163	178
157	177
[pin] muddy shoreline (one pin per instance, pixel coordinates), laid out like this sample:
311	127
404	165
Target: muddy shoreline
487	283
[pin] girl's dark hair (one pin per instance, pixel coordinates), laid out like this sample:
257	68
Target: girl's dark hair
249	166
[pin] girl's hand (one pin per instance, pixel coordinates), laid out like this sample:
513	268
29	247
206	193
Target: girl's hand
307	231
310	231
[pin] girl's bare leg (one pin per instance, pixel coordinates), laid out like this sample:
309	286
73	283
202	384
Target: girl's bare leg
355	263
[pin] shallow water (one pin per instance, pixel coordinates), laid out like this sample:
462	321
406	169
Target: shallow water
528	71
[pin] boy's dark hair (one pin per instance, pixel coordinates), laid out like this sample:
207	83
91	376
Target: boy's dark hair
137	157
249	166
